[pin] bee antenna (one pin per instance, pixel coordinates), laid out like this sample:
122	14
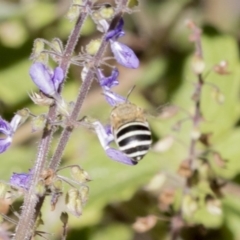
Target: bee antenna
130	91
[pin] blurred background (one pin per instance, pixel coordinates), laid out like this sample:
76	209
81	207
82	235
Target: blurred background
120	194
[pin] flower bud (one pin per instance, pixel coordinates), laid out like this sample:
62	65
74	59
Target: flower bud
62	106
54	199
214	206
133	3
84	190
93	46
40	188
195	134
46	80
21	180
57	185
64	217
166	197
74	202
189	206
38	123
184	169
222	68
218	96
73	13
79	174
42	58
156	183
57	45
144	224
106	12
204	170
38	47
198	65
124	55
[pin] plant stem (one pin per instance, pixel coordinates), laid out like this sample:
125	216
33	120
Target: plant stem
196	119
82	95
25	227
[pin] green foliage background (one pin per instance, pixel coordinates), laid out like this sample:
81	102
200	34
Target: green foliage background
159	37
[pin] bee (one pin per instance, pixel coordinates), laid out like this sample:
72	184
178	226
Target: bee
131	130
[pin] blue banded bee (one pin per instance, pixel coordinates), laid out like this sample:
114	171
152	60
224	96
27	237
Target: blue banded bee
131	130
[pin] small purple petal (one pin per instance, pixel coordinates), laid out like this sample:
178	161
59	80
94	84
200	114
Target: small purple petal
108	129
42	77
15	122
117	32
118	156
124	55
5	143
110	81
58	77
21	180
112	98
6	129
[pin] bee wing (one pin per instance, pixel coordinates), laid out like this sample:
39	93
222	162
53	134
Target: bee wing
164	111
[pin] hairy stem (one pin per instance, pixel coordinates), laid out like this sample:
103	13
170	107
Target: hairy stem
82	95
32	203
196	119
25	227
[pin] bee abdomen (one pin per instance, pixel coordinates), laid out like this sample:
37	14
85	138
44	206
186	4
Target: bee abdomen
134	139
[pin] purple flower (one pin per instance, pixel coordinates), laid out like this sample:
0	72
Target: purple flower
46	81
21	180
110	81
107	83
117	32
122	53
118	156
6	129
113	98
105	137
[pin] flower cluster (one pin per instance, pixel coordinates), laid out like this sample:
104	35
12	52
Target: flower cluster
126	57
